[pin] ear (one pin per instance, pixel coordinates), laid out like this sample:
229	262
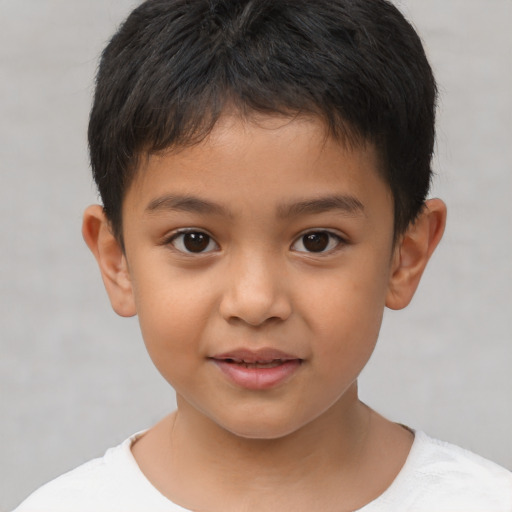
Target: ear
111	260
413	251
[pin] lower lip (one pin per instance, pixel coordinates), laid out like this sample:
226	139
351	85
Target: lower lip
258	378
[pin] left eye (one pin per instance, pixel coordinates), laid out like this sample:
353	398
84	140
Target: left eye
317	242
193	242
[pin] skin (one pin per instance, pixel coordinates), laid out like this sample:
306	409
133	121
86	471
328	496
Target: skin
258	187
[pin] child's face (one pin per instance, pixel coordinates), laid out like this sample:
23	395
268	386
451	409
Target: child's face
268	243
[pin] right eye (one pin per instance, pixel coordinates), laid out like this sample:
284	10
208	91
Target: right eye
195	242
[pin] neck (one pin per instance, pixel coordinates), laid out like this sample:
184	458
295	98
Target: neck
336	437
325	455
341	460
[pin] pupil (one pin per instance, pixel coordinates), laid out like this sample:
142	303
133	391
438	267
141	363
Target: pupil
196	242
316	242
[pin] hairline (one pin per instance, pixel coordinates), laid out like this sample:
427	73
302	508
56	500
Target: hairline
347	137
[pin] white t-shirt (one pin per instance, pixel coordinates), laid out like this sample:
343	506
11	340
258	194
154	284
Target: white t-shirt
437	477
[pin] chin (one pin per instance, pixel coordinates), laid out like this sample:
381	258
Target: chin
260	428
261	433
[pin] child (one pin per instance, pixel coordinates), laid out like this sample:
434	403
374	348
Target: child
264	167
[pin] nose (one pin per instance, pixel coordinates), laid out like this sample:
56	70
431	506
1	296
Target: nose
255	291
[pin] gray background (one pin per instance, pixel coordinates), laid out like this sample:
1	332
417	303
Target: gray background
75	379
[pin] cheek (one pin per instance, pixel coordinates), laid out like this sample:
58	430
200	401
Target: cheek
346	312
172	316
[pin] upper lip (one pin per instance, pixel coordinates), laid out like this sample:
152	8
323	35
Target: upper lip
263	355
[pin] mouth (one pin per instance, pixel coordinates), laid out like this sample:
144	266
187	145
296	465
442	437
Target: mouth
257	370
256	364
262	358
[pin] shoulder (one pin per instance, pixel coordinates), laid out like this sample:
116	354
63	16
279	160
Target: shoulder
441	476
112	483
460	466
72	488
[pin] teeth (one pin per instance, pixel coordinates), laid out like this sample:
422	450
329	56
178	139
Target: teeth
257	364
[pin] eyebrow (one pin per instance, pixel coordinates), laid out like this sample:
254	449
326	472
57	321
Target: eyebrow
185	203
349	205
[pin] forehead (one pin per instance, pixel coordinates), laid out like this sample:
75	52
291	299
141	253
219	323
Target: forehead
256	162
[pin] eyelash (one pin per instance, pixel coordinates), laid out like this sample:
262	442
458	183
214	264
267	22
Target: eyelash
178	239
333	242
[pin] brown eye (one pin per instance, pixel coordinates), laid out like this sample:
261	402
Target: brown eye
317	242
196	242
193	242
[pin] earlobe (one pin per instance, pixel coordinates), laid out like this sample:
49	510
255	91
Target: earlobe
111	260
413	251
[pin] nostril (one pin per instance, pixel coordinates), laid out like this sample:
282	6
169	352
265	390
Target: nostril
255	297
